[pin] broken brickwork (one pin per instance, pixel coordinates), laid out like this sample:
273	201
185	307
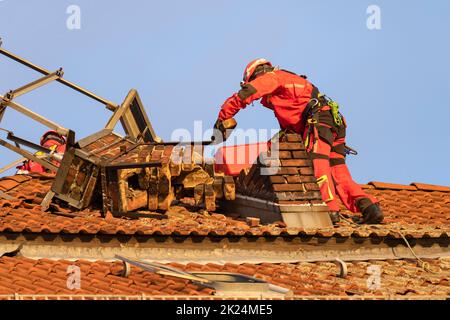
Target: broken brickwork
127	176
293	183
289	192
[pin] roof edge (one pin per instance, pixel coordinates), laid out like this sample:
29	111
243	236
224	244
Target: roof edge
415	186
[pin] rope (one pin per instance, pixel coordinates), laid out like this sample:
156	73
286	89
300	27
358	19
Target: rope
349	221
422	264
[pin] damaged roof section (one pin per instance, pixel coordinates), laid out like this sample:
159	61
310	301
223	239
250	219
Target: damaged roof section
125	176
416	213
140	172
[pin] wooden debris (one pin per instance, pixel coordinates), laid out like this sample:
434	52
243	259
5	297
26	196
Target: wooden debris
253	222
129	176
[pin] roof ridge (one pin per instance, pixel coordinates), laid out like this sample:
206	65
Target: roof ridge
430	187
415	186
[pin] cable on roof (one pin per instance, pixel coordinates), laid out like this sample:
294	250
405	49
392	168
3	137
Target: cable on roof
422	264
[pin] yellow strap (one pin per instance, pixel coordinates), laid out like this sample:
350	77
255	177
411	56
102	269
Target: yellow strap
321	181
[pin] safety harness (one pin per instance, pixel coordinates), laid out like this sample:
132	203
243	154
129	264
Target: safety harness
311	116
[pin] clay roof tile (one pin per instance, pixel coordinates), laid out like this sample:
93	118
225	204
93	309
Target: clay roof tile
430	187
392	186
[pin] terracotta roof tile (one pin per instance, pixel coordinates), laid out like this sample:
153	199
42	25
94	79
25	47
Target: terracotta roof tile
409	209
398	277
392	186
430	187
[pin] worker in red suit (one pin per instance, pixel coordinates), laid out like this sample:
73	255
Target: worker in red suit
301	108
51	140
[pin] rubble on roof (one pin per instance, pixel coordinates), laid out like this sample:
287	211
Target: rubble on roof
127	176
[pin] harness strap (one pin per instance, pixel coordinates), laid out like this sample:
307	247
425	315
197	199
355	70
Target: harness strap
315	156
336	161
311	118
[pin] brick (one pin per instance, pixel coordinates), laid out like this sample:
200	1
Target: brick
229	188
306	171
70	178
288	171
175	169
198	194
153	190
168	151
140	200
308	179
253	222
300	155
312	187
109	139
296	163
165	194
294	179
277	179
160	147
292	138
81	177
289	187
218	187
291	146
156	154
285	154
210	198
317	202
209	166
165	161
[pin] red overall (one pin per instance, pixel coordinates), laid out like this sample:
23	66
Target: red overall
288	94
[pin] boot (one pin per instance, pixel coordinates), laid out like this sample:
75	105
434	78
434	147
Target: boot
335	217
371	212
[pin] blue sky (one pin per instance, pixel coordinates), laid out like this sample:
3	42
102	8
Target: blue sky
186	57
